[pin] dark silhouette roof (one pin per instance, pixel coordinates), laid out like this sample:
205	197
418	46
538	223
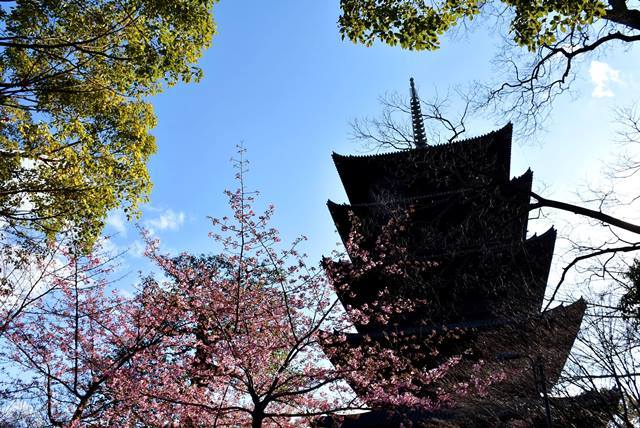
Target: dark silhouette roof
591	409
430	169
443	220
475	283
549	335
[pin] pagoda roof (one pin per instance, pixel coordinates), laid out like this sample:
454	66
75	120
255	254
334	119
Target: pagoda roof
549	335
484	282
467	163
445	219
592	409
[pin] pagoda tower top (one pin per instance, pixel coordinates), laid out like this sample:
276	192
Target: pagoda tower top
419	136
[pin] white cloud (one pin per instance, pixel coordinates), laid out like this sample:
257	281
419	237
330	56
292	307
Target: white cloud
137	249
117	221
108	246
601	75
168	220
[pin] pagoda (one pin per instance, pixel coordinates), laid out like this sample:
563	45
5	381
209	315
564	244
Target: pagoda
483	278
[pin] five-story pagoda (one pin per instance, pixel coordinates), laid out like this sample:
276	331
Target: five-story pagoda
477	285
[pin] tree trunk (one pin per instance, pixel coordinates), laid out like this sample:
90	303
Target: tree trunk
257	416
256	421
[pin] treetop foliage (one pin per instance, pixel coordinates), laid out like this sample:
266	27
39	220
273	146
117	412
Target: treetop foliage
419	25
74	120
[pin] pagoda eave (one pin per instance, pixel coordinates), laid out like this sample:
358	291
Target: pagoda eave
548	336
366	178
449	289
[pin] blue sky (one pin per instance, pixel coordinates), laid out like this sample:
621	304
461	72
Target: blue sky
279	78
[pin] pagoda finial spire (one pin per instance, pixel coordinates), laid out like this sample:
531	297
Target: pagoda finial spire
419	136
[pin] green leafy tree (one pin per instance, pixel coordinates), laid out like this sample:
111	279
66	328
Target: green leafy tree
74	117
420	24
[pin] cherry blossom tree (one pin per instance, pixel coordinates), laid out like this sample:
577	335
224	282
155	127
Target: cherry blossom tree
251	321
245	352
63	355
237	338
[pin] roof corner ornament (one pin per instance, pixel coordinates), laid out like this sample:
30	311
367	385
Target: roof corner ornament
419	135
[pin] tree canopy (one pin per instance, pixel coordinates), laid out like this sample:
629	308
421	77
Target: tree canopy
419	25
74	119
